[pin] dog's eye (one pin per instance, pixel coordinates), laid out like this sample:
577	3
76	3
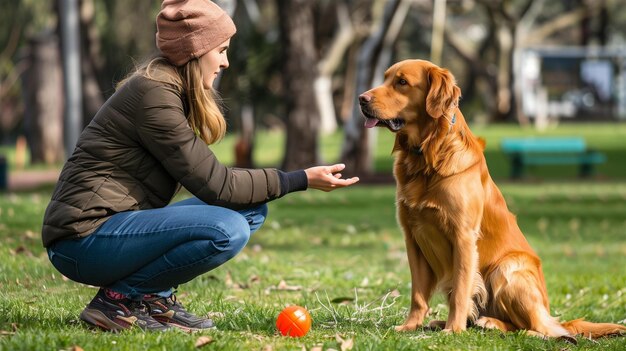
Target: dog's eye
402	81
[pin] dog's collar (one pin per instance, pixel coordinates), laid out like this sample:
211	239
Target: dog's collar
451	121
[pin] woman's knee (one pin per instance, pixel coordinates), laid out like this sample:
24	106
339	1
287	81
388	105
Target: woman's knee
236	228
255	216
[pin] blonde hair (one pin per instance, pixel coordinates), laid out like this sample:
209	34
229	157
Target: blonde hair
205	115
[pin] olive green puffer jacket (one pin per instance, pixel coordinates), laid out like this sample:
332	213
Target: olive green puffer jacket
135	154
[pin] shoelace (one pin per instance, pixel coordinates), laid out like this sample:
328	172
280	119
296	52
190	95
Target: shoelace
140	306
172	303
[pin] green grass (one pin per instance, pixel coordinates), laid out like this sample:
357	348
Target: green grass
609	139
342	256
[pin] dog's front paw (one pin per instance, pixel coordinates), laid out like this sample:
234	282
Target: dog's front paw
454	329
493	323
486	323
406	327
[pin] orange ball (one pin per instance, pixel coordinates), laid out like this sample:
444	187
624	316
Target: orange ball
294	321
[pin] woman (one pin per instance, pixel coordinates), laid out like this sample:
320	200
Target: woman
109	222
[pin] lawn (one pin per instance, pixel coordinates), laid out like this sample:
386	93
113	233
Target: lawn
609	139
342	256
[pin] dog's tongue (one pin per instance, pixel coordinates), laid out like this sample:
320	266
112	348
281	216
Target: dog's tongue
370	122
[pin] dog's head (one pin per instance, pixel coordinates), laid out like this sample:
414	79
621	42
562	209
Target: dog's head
414	92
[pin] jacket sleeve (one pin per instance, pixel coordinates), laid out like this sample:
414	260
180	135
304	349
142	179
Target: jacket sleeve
163	129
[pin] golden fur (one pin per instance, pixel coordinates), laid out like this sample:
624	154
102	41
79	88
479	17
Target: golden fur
460	236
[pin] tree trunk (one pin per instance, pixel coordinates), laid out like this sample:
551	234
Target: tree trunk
245	141
439	23
356	153
296	24
93	98
42	91
342	40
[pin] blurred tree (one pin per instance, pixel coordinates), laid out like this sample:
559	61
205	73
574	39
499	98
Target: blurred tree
328	65
356	152
587	30
39	65
439	23
246	18
91	60
10	104
42	86
300	62
18	21
128	36
252	84
68	13
492	59
508	26
263	82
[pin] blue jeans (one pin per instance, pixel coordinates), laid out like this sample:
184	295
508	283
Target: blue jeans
153	251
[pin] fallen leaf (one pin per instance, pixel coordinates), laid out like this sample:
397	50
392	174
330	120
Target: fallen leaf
228	280
203	341
284	286
255	336
21	250
342	300
215	315
347	345
344	344
211	277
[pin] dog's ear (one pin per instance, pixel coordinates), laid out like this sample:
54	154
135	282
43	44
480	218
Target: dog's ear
443	93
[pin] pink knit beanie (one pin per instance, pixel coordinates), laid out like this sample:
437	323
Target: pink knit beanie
187	29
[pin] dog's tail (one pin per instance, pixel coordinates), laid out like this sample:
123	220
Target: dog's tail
593	330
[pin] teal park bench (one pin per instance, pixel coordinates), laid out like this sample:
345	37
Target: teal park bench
523	152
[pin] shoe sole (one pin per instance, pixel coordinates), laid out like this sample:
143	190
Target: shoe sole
185	328
100	320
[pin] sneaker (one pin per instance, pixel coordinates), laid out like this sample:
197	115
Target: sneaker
170	312
118	314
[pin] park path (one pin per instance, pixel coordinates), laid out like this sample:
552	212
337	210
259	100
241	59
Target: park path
26	180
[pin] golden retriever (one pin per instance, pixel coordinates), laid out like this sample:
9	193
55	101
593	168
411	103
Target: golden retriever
460	236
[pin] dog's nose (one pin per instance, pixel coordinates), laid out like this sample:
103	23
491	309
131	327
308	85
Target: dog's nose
364	98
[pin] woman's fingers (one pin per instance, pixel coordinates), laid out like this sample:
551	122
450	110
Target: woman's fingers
328	178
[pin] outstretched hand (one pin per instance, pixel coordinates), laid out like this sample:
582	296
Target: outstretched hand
328	178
